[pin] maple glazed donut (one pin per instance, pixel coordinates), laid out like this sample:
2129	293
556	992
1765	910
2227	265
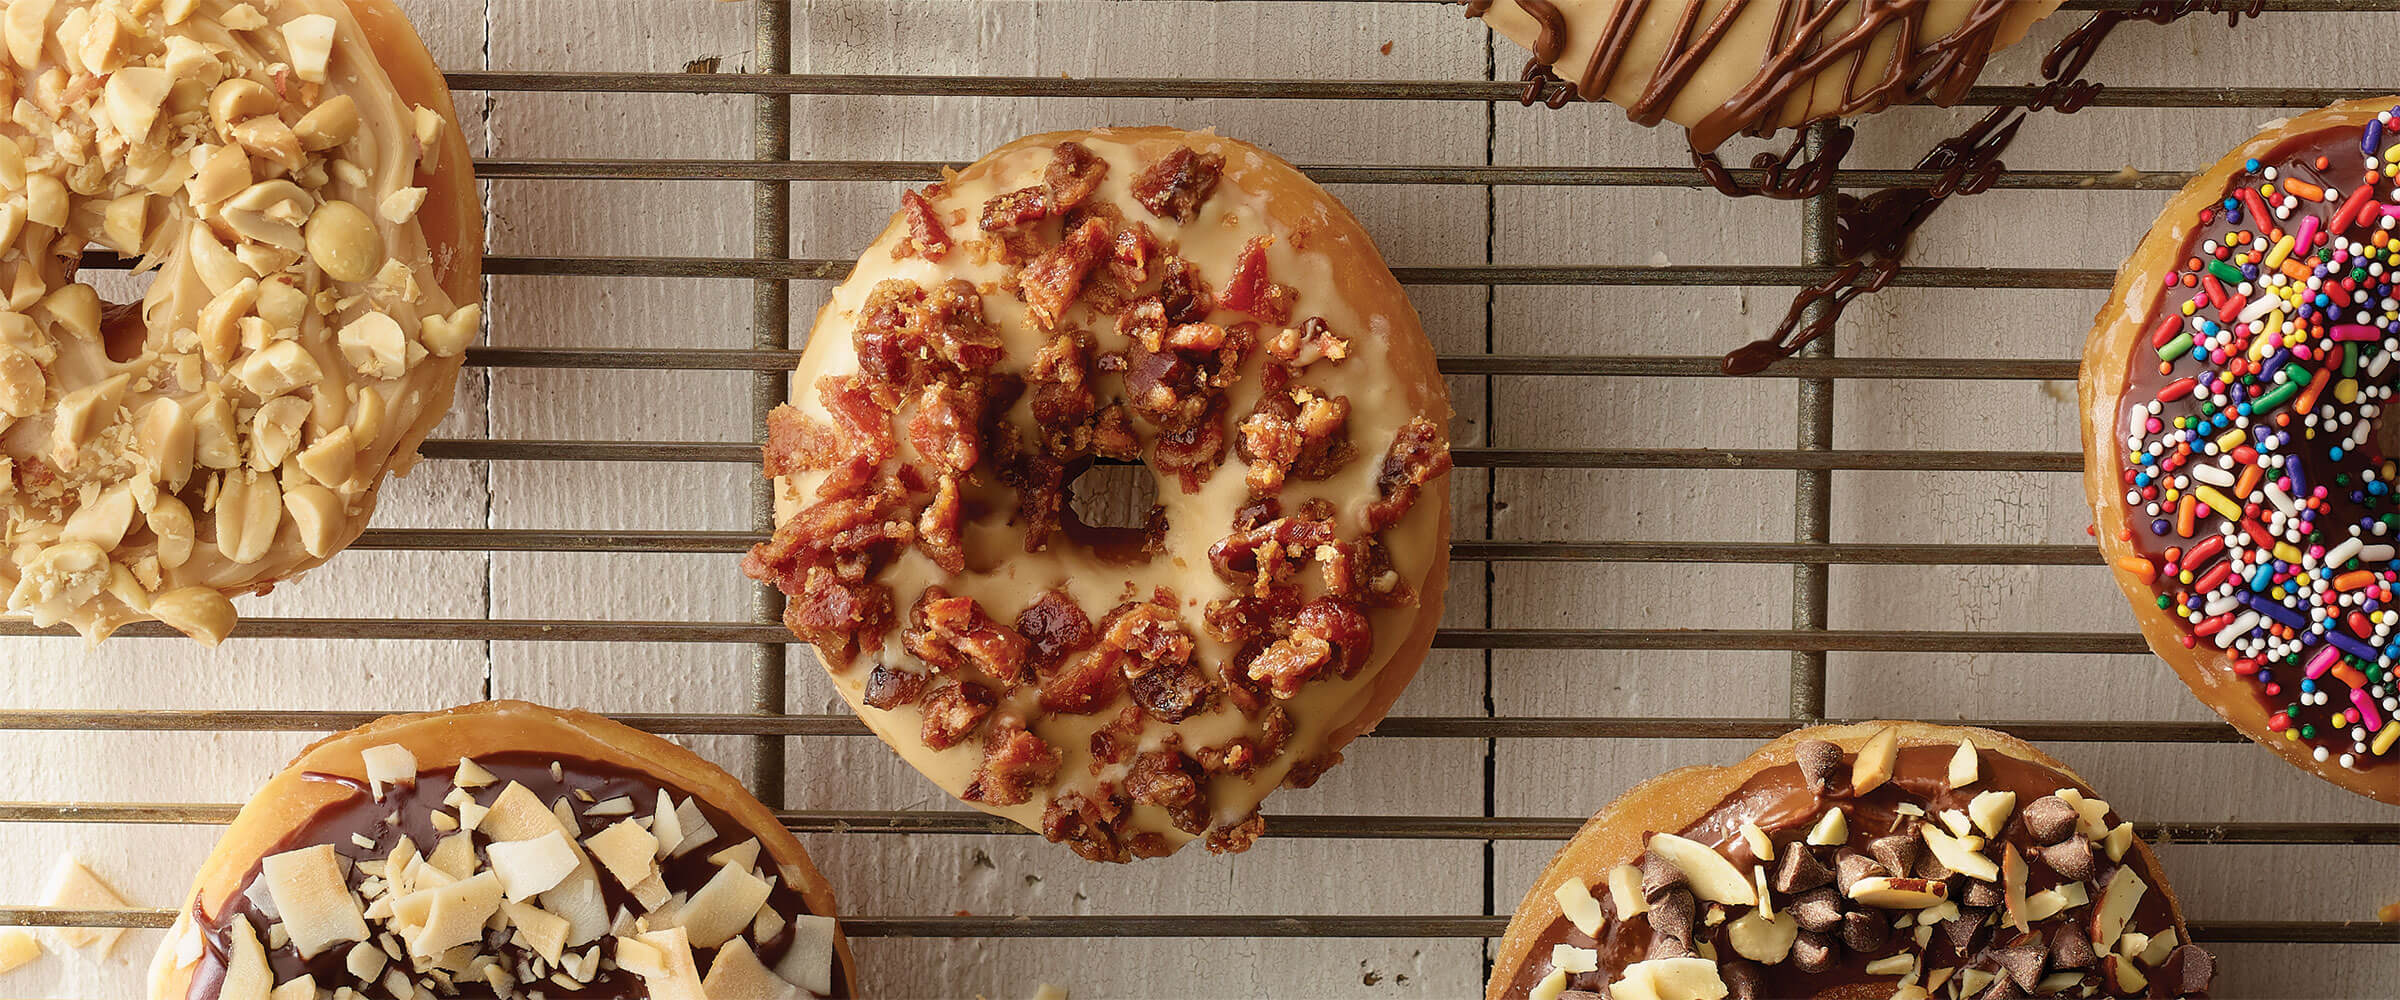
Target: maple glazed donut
1174	299
291	177
2234	456
1861	862
504	849
1758	65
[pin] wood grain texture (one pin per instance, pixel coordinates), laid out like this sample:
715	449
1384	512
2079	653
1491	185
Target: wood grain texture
910	875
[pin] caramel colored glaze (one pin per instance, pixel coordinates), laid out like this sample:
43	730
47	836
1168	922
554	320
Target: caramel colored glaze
361	815
1779	801
2120	369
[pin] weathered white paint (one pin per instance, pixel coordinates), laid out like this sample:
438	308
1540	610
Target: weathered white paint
904	875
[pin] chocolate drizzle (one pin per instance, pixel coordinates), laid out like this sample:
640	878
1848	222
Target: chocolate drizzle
1873	231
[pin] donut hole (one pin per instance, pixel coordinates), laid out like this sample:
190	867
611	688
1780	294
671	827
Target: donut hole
121	289
1112	509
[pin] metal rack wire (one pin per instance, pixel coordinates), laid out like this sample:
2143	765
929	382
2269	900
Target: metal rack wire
769	269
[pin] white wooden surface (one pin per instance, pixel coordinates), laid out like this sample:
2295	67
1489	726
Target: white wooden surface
915	875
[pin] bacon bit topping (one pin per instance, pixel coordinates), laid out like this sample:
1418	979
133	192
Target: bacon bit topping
1250	291
946	429
1074	173
1419	455
927	237
890	687
955	326
1176	185
1072	421
1184	293
1150	645
1006	213
1295	434
939	529
1014	763
952	711
1040	482
949	632
1171	781
1236	838
1053	282
831	613
1115	742
1312	342
1134	250
1086	826
1053	626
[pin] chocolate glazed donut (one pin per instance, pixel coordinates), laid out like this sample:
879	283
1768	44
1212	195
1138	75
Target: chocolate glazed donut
2235	452
1860	862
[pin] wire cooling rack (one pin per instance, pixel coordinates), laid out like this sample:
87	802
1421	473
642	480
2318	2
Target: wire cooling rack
772	175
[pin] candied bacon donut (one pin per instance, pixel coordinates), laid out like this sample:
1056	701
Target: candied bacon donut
504	849
1139	295
292	180
1861	862
1757	65
2239	475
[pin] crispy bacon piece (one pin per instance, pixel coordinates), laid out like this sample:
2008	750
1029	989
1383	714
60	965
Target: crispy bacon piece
1150	646
1267	556
1075	172
1086	684
955	327
1171	781
927	237
939	528
1085	825
1115	743
1252	292
1238	837
1311	342
1006	213
1325	634
1343	625
1053	626
1014	762
1291	662
1295	434
1183	293
947	429
1054	280
889	345
1419	455
1133	250
1040	482
952	711
831	613
950	632
797	442
890	687
1178	184
1176	378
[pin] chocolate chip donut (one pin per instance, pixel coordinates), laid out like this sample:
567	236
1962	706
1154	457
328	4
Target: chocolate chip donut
2232	394
291	178
504	849
1877	860
1175	301
1756	65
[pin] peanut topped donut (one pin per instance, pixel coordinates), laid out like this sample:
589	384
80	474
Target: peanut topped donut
504	850
1173	299
2239	479
1733	66
292	181
1878	861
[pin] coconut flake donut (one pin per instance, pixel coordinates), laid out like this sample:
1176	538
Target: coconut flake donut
1144	295
1863	862
505	849
2232	393
291	177
1758	65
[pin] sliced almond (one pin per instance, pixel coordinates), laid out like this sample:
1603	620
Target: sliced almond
1896	893
1892	965
1990	811
2117	902
1575	902
1762	846
2118	841
1762	938
1669	979
1874	764
1712	877
1625	890
1959	855
1966	766
2012	888
1832	829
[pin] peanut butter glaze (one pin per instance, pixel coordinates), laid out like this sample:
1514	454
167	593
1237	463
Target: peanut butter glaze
1781	801
408	812
2207	568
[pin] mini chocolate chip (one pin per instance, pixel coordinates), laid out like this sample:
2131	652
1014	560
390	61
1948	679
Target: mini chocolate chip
1667	947
2023	963
1852	866
1798	871
1743	979
2071	949
1817	910
1818	760
1961	929
1671	915
2070	858
2050	819
1659	874
1865	932
1813	952
1980	893
2187	970
1930	867
1897	851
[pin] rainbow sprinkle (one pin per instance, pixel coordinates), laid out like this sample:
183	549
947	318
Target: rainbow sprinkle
2264	505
